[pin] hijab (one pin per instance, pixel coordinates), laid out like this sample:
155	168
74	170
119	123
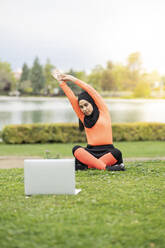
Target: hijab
90	120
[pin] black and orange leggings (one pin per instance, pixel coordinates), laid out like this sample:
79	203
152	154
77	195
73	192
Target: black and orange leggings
97	156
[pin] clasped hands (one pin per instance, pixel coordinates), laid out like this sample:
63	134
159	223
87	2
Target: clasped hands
60	77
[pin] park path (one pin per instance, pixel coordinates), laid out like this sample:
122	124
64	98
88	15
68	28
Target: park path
9	162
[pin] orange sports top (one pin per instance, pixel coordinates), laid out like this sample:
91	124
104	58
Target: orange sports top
101	132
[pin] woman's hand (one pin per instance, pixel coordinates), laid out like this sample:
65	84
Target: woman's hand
62	77
56	74
70	78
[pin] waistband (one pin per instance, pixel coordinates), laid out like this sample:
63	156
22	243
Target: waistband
100	146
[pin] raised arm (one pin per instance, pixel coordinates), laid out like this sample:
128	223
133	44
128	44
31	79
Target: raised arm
69	93
73	100
91	91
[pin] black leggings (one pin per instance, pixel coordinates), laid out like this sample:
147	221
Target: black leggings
99	151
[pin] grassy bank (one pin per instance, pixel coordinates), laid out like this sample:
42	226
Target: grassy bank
129	149
117	209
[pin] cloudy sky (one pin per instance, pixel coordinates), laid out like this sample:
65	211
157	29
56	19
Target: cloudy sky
80	34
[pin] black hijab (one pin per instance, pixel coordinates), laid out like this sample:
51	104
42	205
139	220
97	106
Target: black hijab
89	121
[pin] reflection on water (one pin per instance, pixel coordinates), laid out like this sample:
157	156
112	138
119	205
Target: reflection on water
53	110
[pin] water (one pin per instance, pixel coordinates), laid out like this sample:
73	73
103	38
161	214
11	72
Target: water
58	110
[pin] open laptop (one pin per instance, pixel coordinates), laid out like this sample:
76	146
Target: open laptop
49	176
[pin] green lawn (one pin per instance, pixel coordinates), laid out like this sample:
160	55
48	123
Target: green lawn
115	209
129	149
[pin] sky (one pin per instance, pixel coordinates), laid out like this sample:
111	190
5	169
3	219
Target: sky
81	34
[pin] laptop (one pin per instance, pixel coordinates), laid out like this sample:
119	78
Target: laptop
49	176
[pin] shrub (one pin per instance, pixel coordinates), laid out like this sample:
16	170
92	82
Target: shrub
138	131
142	90
69	133
42	133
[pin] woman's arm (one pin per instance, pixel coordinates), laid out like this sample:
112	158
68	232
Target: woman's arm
91	91
73	100
69	93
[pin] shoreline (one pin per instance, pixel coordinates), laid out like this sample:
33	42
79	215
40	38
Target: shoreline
11	162
49	98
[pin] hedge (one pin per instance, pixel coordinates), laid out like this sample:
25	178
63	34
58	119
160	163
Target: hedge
42	133
69	133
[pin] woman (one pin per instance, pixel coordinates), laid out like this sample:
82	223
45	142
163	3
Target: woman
94	115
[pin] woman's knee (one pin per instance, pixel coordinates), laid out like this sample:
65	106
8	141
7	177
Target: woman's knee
75	148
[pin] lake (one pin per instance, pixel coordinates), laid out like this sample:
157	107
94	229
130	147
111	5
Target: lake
18	110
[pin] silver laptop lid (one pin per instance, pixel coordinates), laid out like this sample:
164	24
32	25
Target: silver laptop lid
49	176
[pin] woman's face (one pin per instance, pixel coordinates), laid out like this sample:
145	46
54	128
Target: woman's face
86	107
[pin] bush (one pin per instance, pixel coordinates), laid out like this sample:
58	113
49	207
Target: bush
142	90
42	133
138	131
69	133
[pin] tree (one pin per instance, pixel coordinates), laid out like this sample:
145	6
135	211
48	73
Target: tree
142	89
119	74
163	81
25	73
37	77
134	70
50	83
7	80
134	61
95	77
24	84
81	75
154	77
25	87
107	80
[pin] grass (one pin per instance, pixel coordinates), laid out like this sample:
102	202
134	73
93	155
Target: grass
114	209
129	149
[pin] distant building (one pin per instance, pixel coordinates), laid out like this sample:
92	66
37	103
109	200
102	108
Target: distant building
17	74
